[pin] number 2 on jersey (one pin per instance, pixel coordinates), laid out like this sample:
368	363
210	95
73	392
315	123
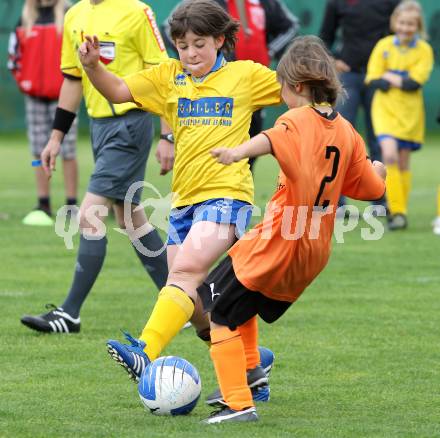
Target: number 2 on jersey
329	151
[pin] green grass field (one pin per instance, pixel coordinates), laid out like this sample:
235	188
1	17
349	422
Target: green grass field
357	356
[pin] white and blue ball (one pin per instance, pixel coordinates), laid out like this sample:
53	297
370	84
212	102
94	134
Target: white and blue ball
170	386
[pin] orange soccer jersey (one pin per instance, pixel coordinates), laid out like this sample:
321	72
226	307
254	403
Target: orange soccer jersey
320	159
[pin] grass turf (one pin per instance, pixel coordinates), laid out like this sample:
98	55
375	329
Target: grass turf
357	356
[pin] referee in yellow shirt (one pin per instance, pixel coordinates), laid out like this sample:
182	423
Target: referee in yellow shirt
121	137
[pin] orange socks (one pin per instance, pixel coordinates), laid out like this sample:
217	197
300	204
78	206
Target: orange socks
249	337
227	353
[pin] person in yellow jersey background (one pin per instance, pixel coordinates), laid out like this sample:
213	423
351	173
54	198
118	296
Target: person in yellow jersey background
121	137
208	102
398	67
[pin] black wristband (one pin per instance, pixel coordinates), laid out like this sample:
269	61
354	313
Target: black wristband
380	84
63	120
168	137
409	84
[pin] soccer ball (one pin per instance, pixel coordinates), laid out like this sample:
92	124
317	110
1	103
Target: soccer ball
170	386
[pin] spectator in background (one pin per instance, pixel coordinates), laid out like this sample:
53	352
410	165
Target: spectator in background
34	60
267	27
361	23
398	68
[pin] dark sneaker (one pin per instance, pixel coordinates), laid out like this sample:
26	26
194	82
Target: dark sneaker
54	321
258	383
227	414
131	357
397	222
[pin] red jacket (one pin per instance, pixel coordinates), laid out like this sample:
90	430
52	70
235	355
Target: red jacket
34	60
251	45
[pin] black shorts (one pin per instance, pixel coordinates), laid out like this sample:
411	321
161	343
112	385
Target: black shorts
232	304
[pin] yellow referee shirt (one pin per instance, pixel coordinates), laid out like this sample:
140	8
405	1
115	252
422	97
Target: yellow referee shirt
215	111
129	41
397	112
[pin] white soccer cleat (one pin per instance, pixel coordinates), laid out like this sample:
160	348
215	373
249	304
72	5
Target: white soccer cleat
436	226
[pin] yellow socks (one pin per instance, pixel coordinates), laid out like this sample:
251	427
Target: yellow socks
395	190
227	353
249	337
172	310
406	185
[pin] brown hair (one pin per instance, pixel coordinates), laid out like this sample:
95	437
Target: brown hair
30	13
204	18
307	61
409	5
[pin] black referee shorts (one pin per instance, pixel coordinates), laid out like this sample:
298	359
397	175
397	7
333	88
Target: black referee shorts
232	304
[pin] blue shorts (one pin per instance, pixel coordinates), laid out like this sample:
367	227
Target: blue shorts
218	210
401	144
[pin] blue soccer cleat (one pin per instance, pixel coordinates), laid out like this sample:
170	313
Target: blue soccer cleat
131	357
257	378
266	359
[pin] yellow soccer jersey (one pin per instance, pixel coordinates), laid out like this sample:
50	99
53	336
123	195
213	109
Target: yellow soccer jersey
215	111
397	112
129	41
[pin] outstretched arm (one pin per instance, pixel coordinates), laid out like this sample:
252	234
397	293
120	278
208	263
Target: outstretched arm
109	85
256	146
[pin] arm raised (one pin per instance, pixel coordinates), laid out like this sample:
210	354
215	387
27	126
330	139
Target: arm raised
109	85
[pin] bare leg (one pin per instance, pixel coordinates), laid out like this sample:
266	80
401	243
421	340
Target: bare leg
199	319
43	185
70	170
203	245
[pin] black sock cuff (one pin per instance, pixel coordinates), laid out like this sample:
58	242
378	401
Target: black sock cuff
94	247
152	241
44	201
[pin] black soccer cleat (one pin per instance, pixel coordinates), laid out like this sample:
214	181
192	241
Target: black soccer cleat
258	383
226	414
397	221
54	321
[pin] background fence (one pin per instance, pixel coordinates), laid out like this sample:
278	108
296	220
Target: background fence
308	11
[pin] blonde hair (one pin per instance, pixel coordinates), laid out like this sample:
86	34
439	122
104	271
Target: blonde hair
409	5
30	13
307	61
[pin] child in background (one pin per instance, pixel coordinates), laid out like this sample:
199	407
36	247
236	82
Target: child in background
398	67
321	157
34	60
208	102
